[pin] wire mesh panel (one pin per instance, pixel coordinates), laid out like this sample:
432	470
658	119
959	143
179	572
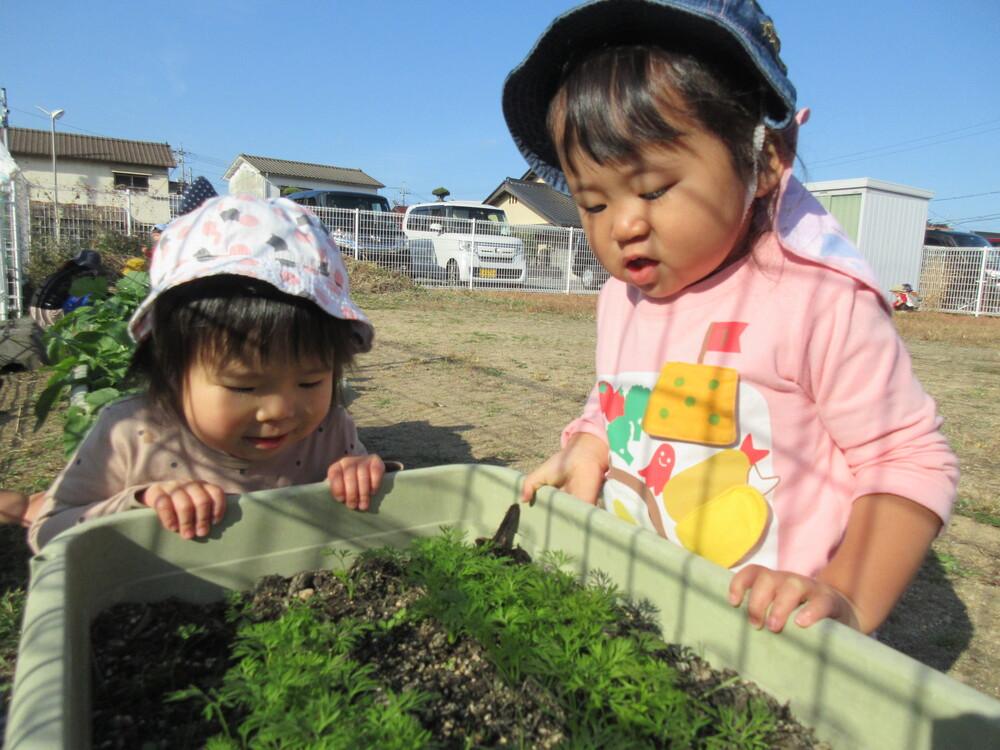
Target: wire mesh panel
371	236
960	279
13	243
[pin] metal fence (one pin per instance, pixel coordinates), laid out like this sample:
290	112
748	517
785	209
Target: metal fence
960	280
121	211
534	258
469	253
13	241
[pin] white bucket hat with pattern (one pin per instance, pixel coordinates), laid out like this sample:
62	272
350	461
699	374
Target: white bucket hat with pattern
274	240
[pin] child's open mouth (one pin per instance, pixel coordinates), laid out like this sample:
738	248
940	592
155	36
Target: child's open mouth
267	443
641	271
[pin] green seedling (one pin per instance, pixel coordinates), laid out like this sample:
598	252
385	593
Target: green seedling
296	684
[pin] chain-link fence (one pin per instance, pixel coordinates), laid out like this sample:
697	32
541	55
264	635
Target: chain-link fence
960	280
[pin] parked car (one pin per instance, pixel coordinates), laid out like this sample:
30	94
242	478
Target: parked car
362	223
463	241
587	267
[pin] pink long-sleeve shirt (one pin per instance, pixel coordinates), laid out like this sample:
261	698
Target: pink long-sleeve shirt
745	415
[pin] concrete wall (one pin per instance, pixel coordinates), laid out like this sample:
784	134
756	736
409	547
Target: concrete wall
88	183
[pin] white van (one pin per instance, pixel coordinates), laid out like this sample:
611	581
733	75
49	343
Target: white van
465	242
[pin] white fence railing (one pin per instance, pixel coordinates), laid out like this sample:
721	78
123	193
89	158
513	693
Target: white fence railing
960	279
470	253
533	258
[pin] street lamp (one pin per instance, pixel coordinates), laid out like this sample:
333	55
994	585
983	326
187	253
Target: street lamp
55	175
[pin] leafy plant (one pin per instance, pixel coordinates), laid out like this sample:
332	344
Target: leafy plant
295	682
90	349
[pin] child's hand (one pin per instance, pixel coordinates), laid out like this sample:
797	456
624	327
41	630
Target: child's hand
188	506
774	594
577	469
353	480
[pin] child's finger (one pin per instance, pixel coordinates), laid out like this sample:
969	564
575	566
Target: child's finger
185	511
830	604
531	485
761	596
218	497
165	512
741	582
349	480
787	597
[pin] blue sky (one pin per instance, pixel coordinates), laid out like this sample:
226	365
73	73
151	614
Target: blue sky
409	91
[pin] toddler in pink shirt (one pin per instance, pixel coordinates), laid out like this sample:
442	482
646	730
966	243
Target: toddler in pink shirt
753	402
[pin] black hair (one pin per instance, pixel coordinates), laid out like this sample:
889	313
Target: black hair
225	317
619	99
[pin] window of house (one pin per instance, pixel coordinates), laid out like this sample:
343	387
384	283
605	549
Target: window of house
131	181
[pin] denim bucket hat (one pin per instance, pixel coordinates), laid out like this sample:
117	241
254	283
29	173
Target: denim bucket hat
737	30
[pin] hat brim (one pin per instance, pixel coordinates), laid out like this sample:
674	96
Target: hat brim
530	87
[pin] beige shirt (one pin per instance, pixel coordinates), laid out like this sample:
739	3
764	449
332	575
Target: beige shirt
130	449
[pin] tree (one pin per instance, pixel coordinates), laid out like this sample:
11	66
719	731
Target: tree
441	193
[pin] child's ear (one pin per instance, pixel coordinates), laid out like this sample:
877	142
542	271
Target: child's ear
771	170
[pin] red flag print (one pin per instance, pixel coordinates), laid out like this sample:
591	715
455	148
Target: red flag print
724	337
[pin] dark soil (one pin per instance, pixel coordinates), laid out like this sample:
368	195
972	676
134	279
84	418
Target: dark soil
143	652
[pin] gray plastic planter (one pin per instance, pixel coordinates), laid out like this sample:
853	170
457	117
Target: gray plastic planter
856	692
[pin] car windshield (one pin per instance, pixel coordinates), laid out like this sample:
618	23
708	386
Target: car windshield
963	239
359	202
489	220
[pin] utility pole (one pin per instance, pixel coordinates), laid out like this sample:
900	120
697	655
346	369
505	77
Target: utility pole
181	153
4	112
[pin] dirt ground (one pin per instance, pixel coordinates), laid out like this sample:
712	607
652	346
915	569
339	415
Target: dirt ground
492	378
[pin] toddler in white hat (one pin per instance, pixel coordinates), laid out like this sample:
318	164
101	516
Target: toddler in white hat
242	344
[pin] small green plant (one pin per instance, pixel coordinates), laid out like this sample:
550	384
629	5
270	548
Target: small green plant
342	573
295	682
90	348
953	566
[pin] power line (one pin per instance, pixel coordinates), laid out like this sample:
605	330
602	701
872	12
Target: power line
960	197
887	150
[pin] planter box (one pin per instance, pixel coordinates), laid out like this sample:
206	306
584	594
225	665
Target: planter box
856	692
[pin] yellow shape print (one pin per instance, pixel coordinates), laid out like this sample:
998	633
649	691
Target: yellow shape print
727	527
693	403
623	514
698	484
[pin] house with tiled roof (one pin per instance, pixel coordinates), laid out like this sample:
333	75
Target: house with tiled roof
529	200
131	177
268	178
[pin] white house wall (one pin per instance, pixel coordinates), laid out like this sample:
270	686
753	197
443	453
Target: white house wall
247	179
86	183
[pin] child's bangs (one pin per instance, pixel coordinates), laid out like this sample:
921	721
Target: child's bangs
608	109
622	99
266	331
223	318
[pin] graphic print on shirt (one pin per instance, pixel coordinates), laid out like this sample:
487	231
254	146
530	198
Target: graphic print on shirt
690	454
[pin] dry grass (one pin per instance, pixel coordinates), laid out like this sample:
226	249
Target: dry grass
963	330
